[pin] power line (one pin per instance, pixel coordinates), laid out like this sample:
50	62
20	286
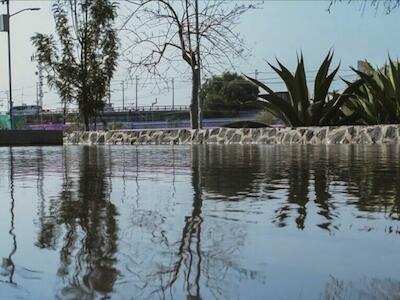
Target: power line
228	1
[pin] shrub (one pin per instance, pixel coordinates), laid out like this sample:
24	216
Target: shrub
228	92
300	109
264	117
377	101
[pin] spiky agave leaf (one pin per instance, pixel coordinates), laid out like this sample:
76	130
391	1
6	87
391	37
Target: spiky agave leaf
378	101
301	110
279	106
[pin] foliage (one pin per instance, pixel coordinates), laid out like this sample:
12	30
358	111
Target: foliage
71	118
300	109
246	124
377	101
72	127
81	63
114	126
229	91
264	117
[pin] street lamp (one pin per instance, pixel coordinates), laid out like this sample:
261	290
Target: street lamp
6	25
25	9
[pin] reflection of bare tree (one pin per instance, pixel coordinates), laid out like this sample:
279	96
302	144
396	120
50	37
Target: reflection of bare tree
87	219
189	253
203	258
372	289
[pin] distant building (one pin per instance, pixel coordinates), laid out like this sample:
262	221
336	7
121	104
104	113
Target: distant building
26	110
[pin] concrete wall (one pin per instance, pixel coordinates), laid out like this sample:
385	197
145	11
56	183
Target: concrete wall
31	137
302	135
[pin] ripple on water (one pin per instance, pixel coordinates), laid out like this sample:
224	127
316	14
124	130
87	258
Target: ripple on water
201	222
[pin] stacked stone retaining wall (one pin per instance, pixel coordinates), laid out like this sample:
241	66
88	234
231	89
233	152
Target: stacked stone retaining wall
380	134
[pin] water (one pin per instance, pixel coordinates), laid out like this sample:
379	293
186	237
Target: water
206	222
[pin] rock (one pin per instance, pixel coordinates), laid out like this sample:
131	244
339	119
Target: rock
255	134
286	138
184	135
375	134
212	140
391	133
222	132
309	134
321	135
235	139
230	134
214	131
296	138
337	136
271	132
100	139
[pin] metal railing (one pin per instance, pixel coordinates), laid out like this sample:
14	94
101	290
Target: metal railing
143	108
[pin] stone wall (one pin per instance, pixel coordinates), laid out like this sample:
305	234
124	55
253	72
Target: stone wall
274	136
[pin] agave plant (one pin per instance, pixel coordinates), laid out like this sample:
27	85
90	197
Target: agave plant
377	101
302	109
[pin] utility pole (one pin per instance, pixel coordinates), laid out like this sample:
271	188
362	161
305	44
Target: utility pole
173	94
7	28
9	67
37	102
136	84
39	87
199	102
123	95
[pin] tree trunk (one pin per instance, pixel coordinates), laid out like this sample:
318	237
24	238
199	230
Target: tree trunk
194	107
64	111
86	120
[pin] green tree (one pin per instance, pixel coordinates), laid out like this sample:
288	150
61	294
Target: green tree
81	62
228	91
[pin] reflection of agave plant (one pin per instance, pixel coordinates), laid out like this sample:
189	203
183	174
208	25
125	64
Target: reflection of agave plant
301	110
377	101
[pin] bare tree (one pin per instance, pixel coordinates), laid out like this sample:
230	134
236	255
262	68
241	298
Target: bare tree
163	33
387	5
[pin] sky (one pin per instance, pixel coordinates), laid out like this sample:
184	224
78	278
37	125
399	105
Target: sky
280	29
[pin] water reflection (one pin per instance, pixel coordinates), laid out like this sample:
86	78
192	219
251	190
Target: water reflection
197	257
303	177
8	266
83	219
372	289
186	223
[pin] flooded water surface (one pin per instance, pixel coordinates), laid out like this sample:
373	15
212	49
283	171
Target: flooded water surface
201	222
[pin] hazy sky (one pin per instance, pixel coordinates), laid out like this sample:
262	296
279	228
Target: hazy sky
280	29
